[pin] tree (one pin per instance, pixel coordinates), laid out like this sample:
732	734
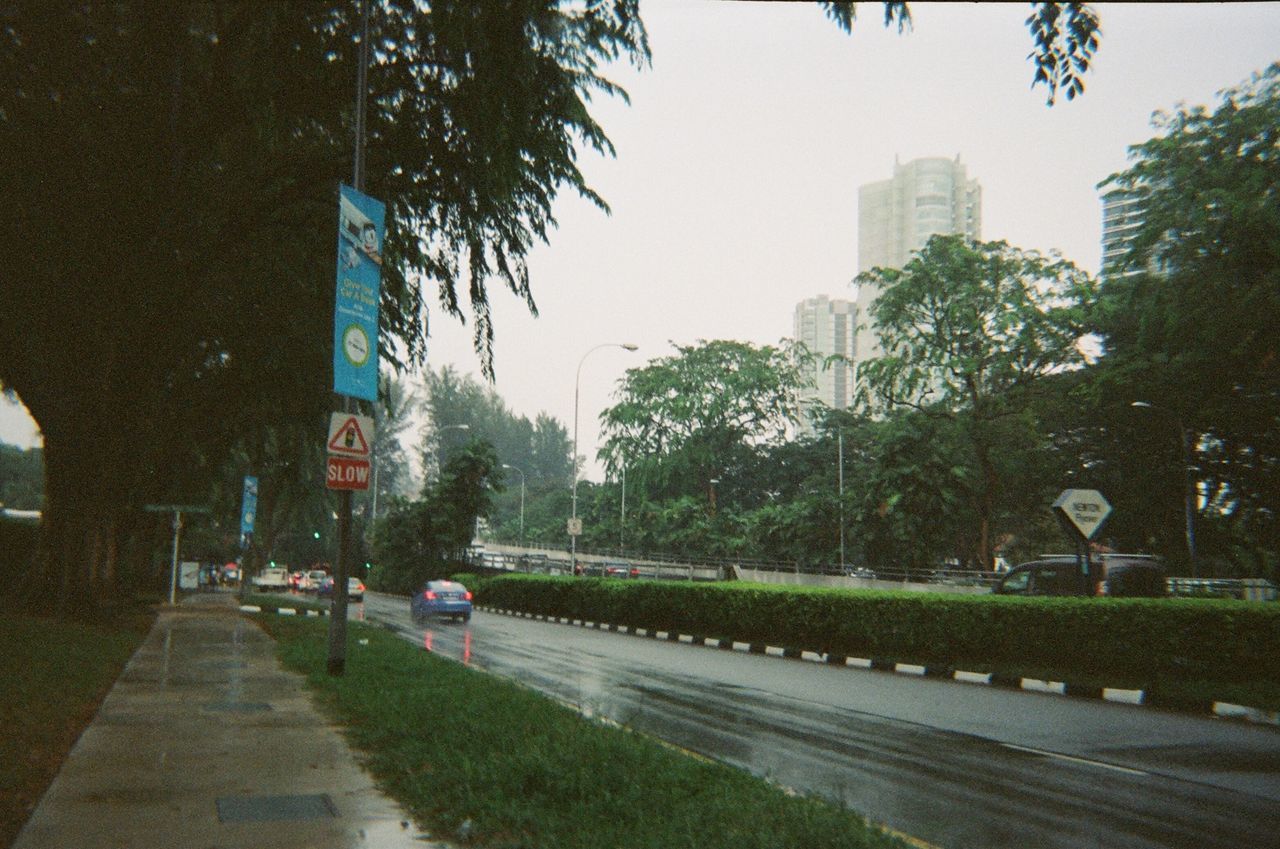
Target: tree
21	478
1065	36
685	419
169	214
970	332
1196	339
425	539
170	207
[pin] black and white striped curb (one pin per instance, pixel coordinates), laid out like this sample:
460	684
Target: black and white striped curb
285	611
1224	710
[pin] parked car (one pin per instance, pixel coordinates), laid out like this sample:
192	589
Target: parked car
441	598
355	588
1134	575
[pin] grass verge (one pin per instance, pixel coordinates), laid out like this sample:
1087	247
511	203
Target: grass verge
452	744
271	602
55	676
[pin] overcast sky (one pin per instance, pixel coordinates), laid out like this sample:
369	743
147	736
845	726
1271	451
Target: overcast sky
734	189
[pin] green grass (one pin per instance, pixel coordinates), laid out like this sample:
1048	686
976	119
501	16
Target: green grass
452	744
271	602
55	676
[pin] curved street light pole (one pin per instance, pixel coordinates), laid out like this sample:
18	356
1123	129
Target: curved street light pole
577	381
1188	481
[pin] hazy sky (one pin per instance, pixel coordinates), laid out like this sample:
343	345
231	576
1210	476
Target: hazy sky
734	189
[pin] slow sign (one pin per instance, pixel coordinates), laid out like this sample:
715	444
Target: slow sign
346	473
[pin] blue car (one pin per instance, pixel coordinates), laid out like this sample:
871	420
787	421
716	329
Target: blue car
441	598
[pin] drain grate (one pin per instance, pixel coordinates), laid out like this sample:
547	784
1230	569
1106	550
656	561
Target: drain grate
237	707
275	808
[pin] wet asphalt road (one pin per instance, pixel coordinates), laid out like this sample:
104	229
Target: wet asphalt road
957	765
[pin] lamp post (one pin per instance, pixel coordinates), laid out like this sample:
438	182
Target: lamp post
622	522
577	382
1188	481
521	471
840	490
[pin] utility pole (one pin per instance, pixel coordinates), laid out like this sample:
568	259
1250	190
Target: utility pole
337	658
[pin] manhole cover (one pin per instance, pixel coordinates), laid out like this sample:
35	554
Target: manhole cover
274	808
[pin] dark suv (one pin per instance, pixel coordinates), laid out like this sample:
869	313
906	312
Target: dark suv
1132	575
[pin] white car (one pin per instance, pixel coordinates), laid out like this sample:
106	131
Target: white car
311	580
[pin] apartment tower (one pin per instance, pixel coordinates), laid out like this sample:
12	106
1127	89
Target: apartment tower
896	217
827	327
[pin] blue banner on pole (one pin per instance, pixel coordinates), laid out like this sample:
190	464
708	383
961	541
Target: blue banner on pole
361	227
248	508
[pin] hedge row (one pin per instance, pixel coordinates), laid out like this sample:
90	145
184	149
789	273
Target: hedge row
1129	639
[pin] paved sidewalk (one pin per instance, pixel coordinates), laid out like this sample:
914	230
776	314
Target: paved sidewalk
206	741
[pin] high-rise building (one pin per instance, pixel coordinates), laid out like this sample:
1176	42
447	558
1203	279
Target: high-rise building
896	217
827	327
1122	217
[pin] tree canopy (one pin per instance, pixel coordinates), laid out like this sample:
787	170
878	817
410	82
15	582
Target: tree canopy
171	211
1188	320
969	332
699	412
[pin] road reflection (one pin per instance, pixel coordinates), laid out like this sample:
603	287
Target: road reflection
429	640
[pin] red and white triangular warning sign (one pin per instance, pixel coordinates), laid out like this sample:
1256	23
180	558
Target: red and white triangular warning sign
350	435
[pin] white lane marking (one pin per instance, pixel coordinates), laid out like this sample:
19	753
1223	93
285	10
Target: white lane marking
1085	761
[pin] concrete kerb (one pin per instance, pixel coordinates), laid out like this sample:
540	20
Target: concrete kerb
1119	695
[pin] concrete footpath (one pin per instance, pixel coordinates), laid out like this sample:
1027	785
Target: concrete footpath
206	741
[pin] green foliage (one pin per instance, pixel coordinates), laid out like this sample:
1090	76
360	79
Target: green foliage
1135	641
1065	36
1190	328
21	477
683	420
424	540
163	188
970	333
538	774
541	448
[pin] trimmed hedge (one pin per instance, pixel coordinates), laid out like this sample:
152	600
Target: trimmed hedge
1135	640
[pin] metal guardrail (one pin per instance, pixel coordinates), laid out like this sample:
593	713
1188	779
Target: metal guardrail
670	567
558	562
1244	589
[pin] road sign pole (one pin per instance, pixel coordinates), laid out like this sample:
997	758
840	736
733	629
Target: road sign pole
173	570
337	662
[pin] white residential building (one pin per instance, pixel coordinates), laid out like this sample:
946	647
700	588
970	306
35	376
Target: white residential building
896	217
828	327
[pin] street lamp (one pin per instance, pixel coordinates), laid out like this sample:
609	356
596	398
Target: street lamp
1188	480
521	471
840	490
577	381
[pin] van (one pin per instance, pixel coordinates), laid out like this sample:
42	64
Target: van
1126	575
273	580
